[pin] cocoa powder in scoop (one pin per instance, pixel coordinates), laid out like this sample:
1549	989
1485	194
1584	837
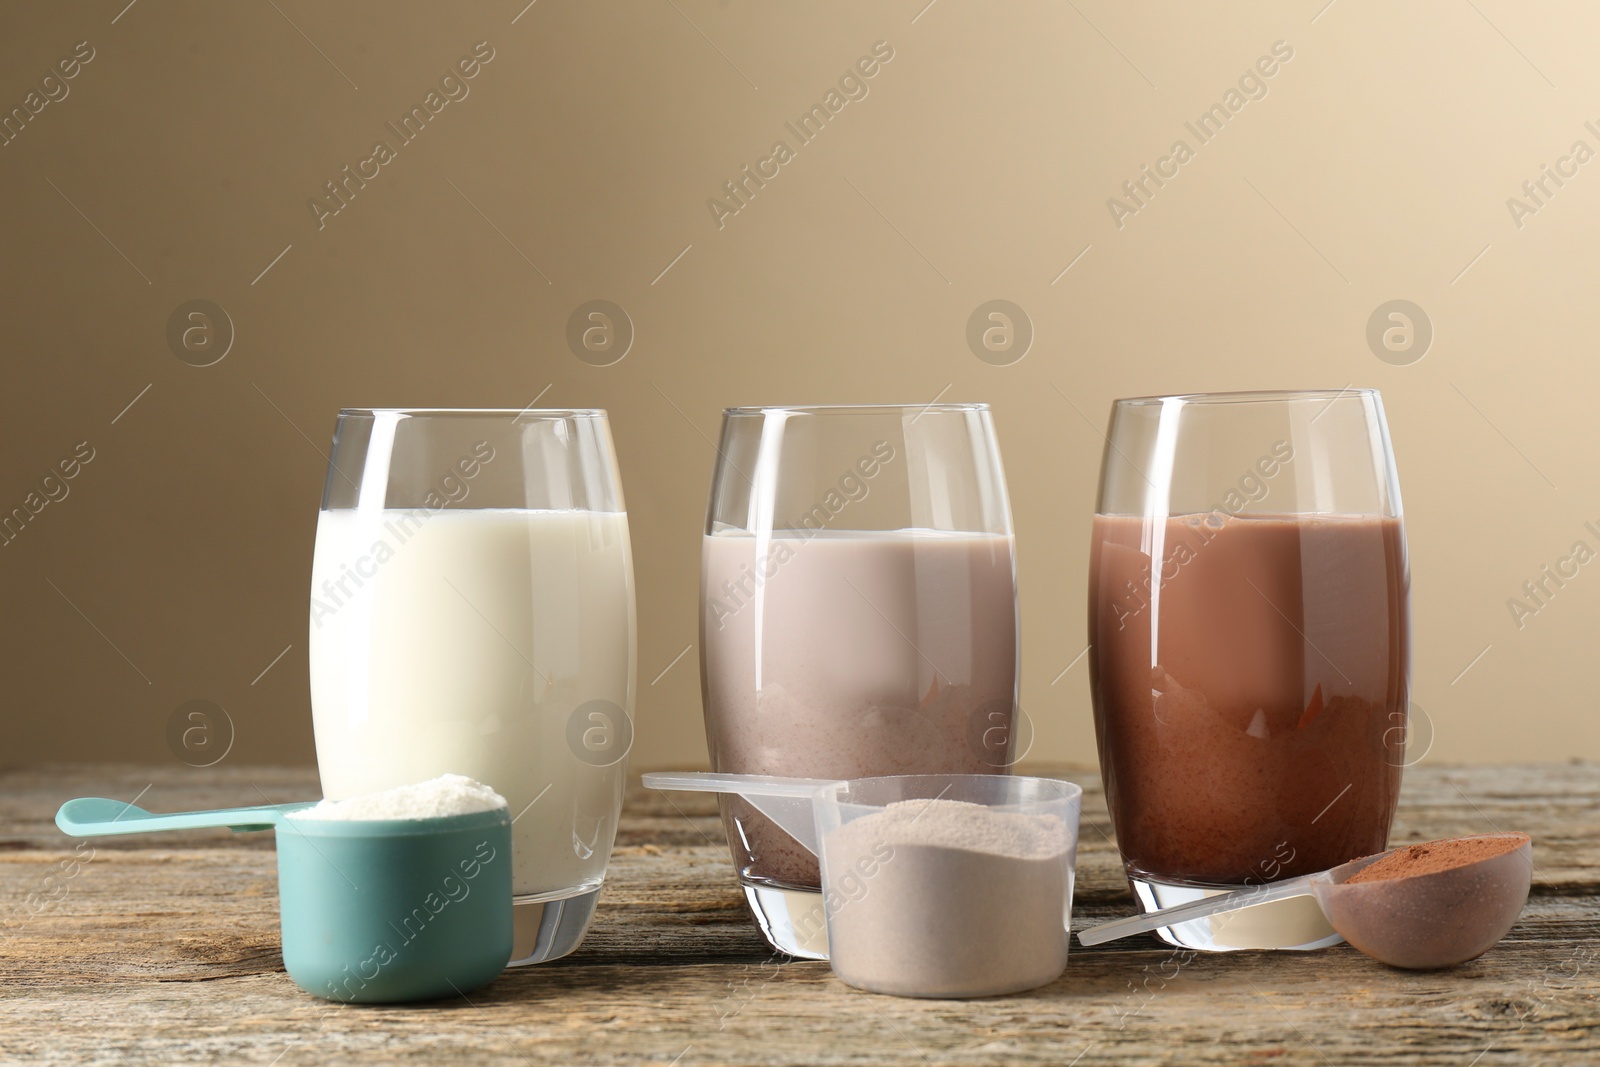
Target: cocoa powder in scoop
1431	857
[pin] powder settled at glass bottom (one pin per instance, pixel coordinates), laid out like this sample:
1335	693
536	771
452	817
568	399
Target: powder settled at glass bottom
1430	857
941	898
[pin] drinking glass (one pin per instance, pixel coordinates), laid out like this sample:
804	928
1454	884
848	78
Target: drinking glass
1249	612
472	612
859	617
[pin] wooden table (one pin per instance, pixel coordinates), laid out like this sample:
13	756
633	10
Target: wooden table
164	949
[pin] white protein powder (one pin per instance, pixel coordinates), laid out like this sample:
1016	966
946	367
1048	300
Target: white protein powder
941	898
448	794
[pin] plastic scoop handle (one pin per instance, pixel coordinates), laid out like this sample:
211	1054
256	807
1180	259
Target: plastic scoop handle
99	817
1200	909
786	801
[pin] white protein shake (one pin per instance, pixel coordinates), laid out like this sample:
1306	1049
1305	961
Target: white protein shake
461	641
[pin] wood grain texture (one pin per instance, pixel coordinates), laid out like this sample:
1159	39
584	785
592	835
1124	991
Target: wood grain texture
164	949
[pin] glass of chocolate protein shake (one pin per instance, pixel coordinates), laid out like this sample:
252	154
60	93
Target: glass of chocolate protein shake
1250	620
859	617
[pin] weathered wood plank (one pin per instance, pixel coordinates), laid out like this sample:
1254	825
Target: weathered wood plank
163	949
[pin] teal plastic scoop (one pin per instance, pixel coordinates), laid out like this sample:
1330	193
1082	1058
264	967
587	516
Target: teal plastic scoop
372	910
99	817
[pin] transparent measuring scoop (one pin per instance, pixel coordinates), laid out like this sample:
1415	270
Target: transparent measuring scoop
789	802
1305	885
1434	919
791	916
928	910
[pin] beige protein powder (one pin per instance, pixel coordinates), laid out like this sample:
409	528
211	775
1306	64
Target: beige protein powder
941	898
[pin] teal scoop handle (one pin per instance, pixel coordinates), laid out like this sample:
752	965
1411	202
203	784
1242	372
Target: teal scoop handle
99	817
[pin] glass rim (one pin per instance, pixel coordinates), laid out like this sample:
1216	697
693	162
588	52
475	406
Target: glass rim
467	413
1250	396
851	409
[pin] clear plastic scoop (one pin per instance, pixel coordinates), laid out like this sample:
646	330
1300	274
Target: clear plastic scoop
786	801
1305	885
1422	921
923	911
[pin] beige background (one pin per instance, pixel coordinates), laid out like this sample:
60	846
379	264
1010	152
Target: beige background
1378	166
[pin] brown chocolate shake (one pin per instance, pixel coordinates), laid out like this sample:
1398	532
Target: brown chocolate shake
1250	698
847	654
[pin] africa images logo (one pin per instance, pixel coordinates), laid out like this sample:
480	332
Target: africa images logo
1207	126
808	127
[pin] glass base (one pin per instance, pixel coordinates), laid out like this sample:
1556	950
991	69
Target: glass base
543	930
1296	924
791	919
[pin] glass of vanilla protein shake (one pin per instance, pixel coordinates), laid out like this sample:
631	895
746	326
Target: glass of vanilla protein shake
472	612
1249	615
859	617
